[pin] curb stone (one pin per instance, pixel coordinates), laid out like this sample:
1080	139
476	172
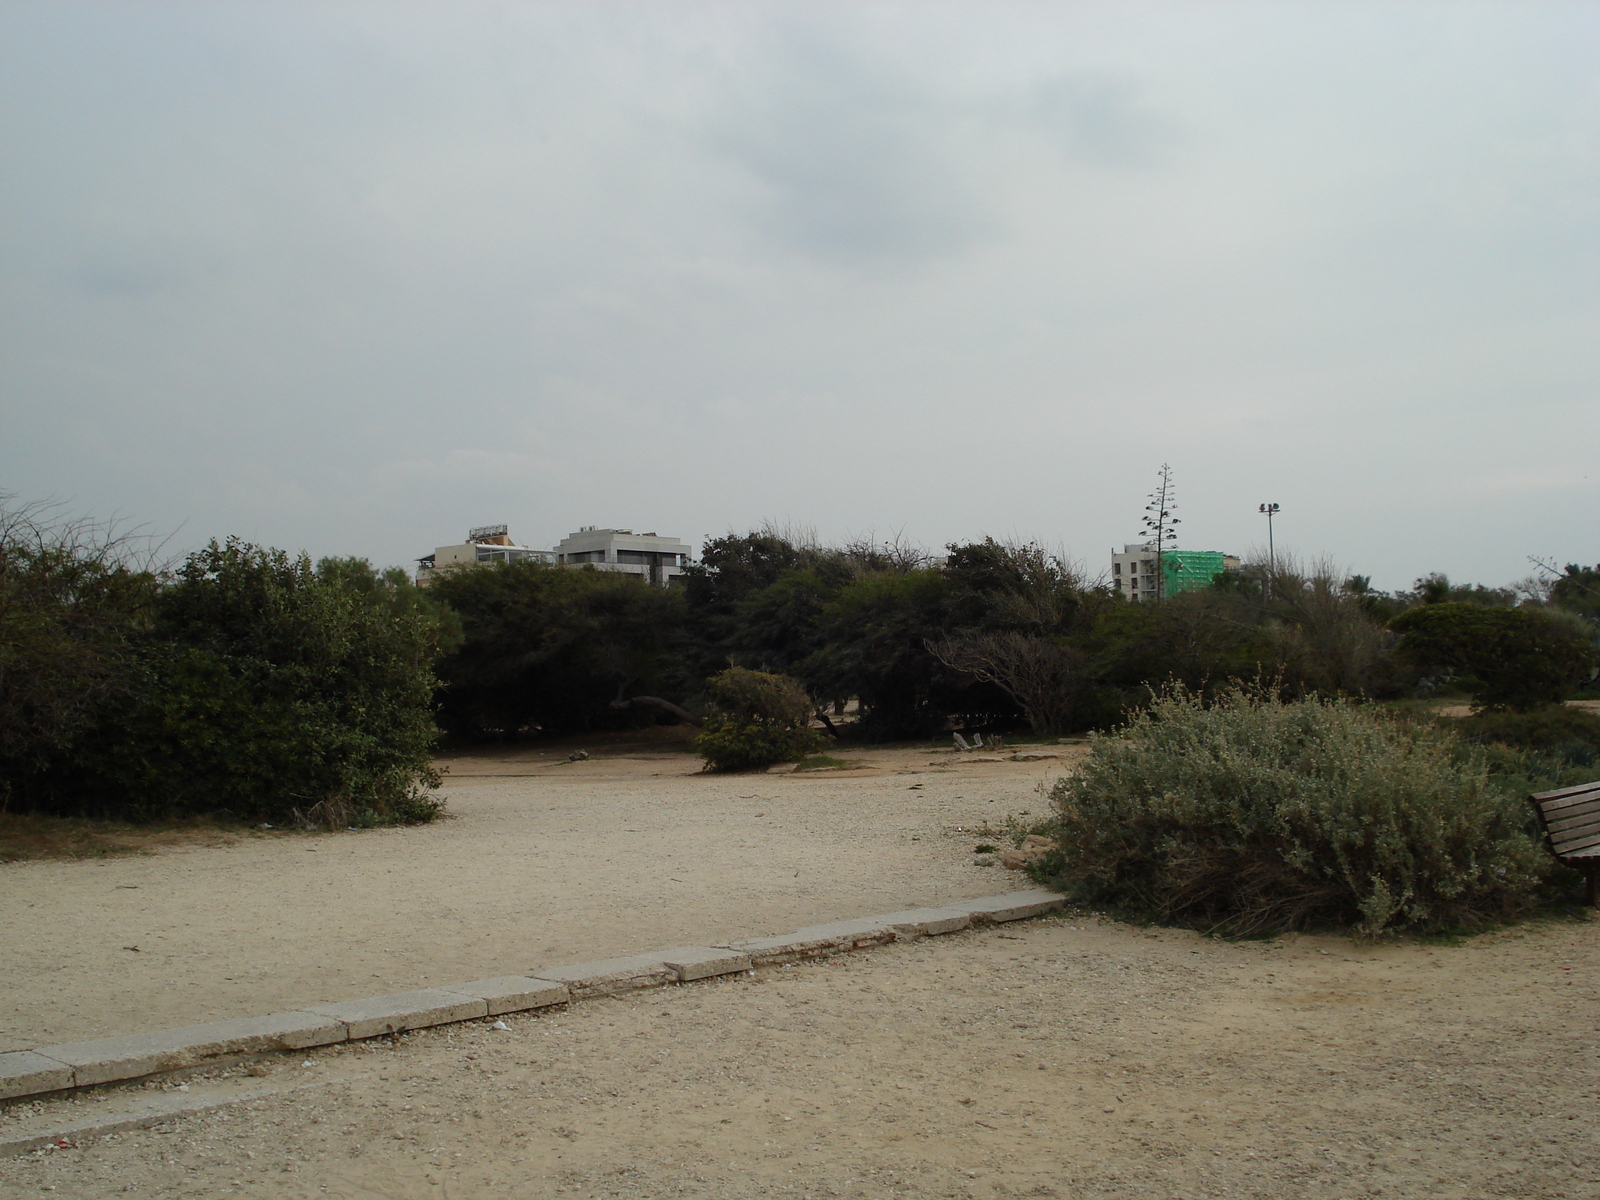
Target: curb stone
110	1060
138	1112
512	993
403	1011
25	1073
1013	906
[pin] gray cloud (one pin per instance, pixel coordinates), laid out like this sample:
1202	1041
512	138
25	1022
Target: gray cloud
855	163
356	279
1103	120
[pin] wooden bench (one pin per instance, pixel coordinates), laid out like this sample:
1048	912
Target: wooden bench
1571	820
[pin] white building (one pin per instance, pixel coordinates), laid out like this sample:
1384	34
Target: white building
1133	572
648	555
486	544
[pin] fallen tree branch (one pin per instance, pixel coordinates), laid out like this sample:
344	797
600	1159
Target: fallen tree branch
681	713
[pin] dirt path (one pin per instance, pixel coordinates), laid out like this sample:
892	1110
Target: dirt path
1064	1057
541	863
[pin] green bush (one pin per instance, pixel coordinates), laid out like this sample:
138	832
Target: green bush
1572	732
1522	658
73	602
1558	746
267	689
1252	814
755	720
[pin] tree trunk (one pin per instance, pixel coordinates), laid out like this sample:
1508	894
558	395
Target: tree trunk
682	714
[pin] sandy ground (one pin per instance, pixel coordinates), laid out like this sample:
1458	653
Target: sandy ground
541	863
1063	1057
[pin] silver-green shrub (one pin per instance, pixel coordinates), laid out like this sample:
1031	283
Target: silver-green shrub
1249	814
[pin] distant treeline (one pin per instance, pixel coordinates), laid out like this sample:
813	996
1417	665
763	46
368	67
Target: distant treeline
263	685
992	635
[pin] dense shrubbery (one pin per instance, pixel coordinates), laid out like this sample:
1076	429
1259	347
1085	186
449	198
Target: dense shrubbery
253	684
754	720
555	650
1552	747
72	604
1519	658
1255	814
1001	635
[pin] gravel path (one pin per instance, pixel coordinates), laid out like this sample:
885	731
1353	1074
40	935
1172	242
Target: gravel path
1063	1057
541	863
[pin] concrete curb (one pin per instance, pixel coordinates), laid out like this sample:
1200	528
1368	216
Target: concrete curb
140	1112
25	1073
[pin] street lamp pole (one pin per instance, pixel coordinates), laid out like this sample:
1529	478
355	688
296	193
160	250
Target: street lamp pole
1270	511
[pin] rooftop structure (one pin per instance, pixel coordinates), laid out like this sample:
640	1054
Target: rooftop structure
485	544
647	555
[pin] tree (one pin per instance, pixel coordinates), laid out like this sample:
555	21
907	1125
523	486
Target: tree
733	569
873	643
1436	588
269	689
73	598
1326	635
1159	523
1044	676
1577	589
1522	658
1017	607
556	649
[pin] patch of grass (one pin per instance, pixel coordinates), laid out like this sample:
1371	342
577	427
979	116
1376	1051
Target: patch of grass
826	762
985	848
819	762
30	837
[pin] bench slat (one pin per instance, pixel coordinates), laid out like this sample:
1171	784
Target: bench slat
1585	820
1575	849
1558	793
1568	853
1554	806
1576	837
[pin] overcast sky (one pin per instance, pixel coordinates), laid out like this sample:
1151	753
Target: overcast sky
351	278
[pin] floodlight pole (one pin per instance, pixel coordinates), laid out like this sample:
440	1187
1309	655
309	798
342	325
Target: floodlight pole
1270	511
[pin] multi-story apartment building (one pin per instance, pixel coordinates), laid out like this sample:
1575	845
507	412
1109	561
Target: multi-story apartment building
648	555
